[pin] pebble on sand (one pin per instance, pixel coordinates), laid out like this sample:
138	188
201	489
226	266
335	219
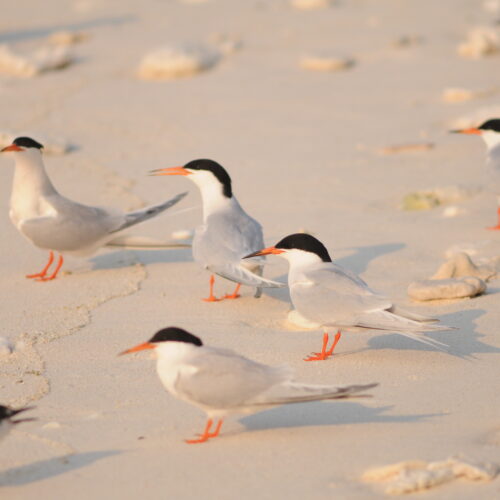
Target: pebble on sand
480	42
460	265
451	288
325	62
31	63
406	148
6	346
417	475
178	61
431	198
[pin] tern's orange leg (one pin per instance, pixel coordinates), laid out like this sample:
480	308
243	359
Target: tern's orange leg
324	354
56	270
211	297
43	272
206	433
235	294
497	227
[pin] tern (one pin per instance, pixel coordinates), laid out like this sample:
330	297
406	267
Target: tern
228	233
221	382
334	298
55	223
490	132
6	421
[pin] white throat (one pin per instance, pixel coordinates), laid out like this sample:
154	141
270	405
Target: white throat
491	138
211	192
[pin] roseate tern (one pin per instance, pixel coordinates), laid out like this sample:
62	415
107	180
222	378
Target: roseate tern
221	382
6	419
332	297
490	132
55	223
228	233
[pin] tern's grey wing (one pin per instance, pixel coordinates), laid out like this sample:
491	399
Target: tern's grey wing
329	294
132	218
221	379
70	230
239	274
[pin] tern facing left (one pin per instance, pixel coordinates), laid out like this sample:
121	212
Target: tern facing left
228	233
221	382
55	223
490	132
6	419
332	297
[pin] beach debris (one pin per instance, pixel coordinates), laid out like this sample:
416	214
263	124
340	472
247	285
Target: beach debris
417	475
28	64
451	288
406	148
178	61
481	41
67	37
460	265
431	198
458	95
311	4
6	346
407	41
453	211
484	252
51	146
325	62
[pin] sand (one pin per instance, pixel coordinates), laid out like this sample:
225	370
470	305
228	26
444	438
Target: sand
301	148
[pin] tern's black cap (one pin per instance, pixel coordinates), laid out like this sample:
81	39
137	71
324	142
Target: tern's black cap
493	124
174	334
306	242
27	142
218	170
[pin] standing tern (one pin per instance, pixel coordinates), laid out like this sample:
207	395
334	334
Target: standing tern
221	382
6	421
228	233
55	223
332	297
490	132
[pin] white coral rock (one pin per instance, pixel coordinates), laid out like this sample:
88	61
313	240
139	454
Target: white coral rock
177	61
481	41
29	64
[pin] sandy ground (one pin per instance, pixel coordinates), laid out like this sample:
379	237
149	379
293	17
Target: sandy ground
301	149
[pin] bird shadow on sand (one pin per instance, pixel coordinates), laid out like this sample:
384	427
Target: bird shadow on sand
463	342
125	258
44	469
357	263
326	414
42	32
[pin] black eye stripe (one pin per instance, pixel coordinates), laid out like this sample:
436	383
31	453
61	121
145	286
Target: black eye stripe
306	242
27	142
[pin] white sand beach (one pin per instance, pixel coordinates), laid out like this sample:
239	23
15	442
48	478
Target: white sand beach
304	147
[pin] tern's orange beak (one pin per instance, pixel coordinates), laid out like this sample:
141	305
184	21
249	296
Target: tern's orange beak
170	171
265	251
140	347
470	131
12	147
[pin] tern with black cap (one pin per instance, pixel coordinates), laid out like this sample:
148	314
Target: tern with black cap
490	132
55	223
228	233
221	382
335	298
7	418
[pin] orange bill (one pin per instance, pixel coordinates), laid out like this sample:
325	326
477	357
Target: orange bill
140	347
473	130
265	251
12	147
170	171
